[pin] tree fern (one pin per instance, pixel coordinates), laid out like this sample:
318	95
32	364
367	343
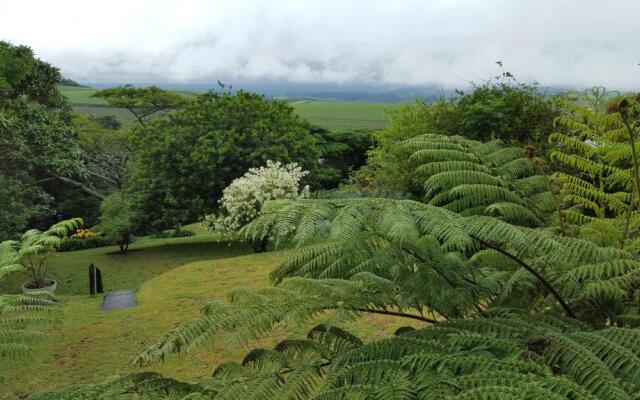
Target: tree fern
598	146
489	357
470	177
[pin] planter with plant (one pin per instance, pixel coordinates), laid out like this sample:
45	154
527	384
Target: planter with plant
31	254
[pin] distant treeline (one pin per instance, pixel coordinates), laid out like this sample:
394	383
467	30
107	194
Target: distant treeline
70	82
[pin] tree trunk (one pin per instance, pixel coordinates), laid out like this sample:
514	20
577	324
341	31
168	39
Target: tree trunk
260	246
125	239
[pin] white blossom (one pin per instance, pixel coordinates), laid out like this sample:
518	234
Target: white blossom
243	199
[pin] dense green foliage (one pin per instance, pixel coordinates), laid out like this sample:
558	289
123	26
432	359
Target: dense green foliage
22	76
505	109
471	177
516	113
187	159
173	233
118	220
37	142
22	318
75	244
596	149
341	153
143	103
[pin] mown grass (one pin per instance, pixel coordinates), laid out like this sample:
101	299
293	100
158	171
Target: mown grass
89	345
146	259
329	115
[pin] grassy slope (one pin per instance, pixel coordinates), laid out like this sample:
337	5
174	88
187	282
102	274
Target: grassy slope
329	115
147	259
90	345
81	96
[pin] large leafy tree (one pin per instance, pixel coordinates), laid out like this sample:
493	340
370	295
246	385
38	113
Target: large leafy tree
186	159
506	109
23	76
37	142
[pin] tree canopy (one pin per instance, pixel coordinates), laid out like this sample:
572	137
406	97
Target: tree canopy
37	141
143	102
185	160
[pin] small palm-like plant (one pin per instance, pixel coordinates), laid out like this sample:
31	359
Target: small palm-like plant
31	253
20	314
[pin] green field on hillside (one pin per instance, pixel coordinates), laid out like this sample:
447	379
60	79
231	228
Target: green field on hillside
341	116
81	96
329	115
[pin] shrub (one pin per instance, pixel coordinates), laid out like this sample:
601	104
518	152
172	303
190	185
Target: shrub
173	233
84	234
117	220
242	201
75	243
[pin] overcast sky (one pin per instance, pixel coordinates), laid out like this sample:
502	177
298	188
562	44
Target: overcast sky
448	42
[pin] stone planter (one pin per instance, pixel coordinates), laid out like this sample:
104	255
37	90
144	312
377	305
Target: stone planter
47	289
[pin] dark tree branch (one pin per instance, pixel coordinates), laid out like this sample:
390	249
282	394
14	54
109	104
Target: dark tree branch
567	308
104	178
44	180
396	314
138	117
79	185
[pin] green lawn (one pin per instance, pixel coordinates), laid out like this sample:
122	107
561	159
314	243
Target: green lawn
329	115
147	258
172	285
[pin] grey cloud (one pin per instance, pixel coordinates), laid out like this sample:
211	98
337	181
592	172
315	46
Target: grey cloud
557	42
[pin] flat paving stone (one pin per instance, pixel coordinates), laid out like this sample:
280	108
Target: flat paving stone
119	299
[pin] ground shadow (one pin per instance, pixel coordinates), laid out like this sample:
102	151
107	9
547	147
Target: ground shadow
145	261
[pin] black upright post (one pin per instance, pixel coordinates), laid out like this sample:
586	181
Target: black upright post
99	288
92	280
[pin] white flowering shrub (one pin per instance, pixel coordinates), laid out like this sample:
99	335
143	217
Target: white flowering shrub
243	199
